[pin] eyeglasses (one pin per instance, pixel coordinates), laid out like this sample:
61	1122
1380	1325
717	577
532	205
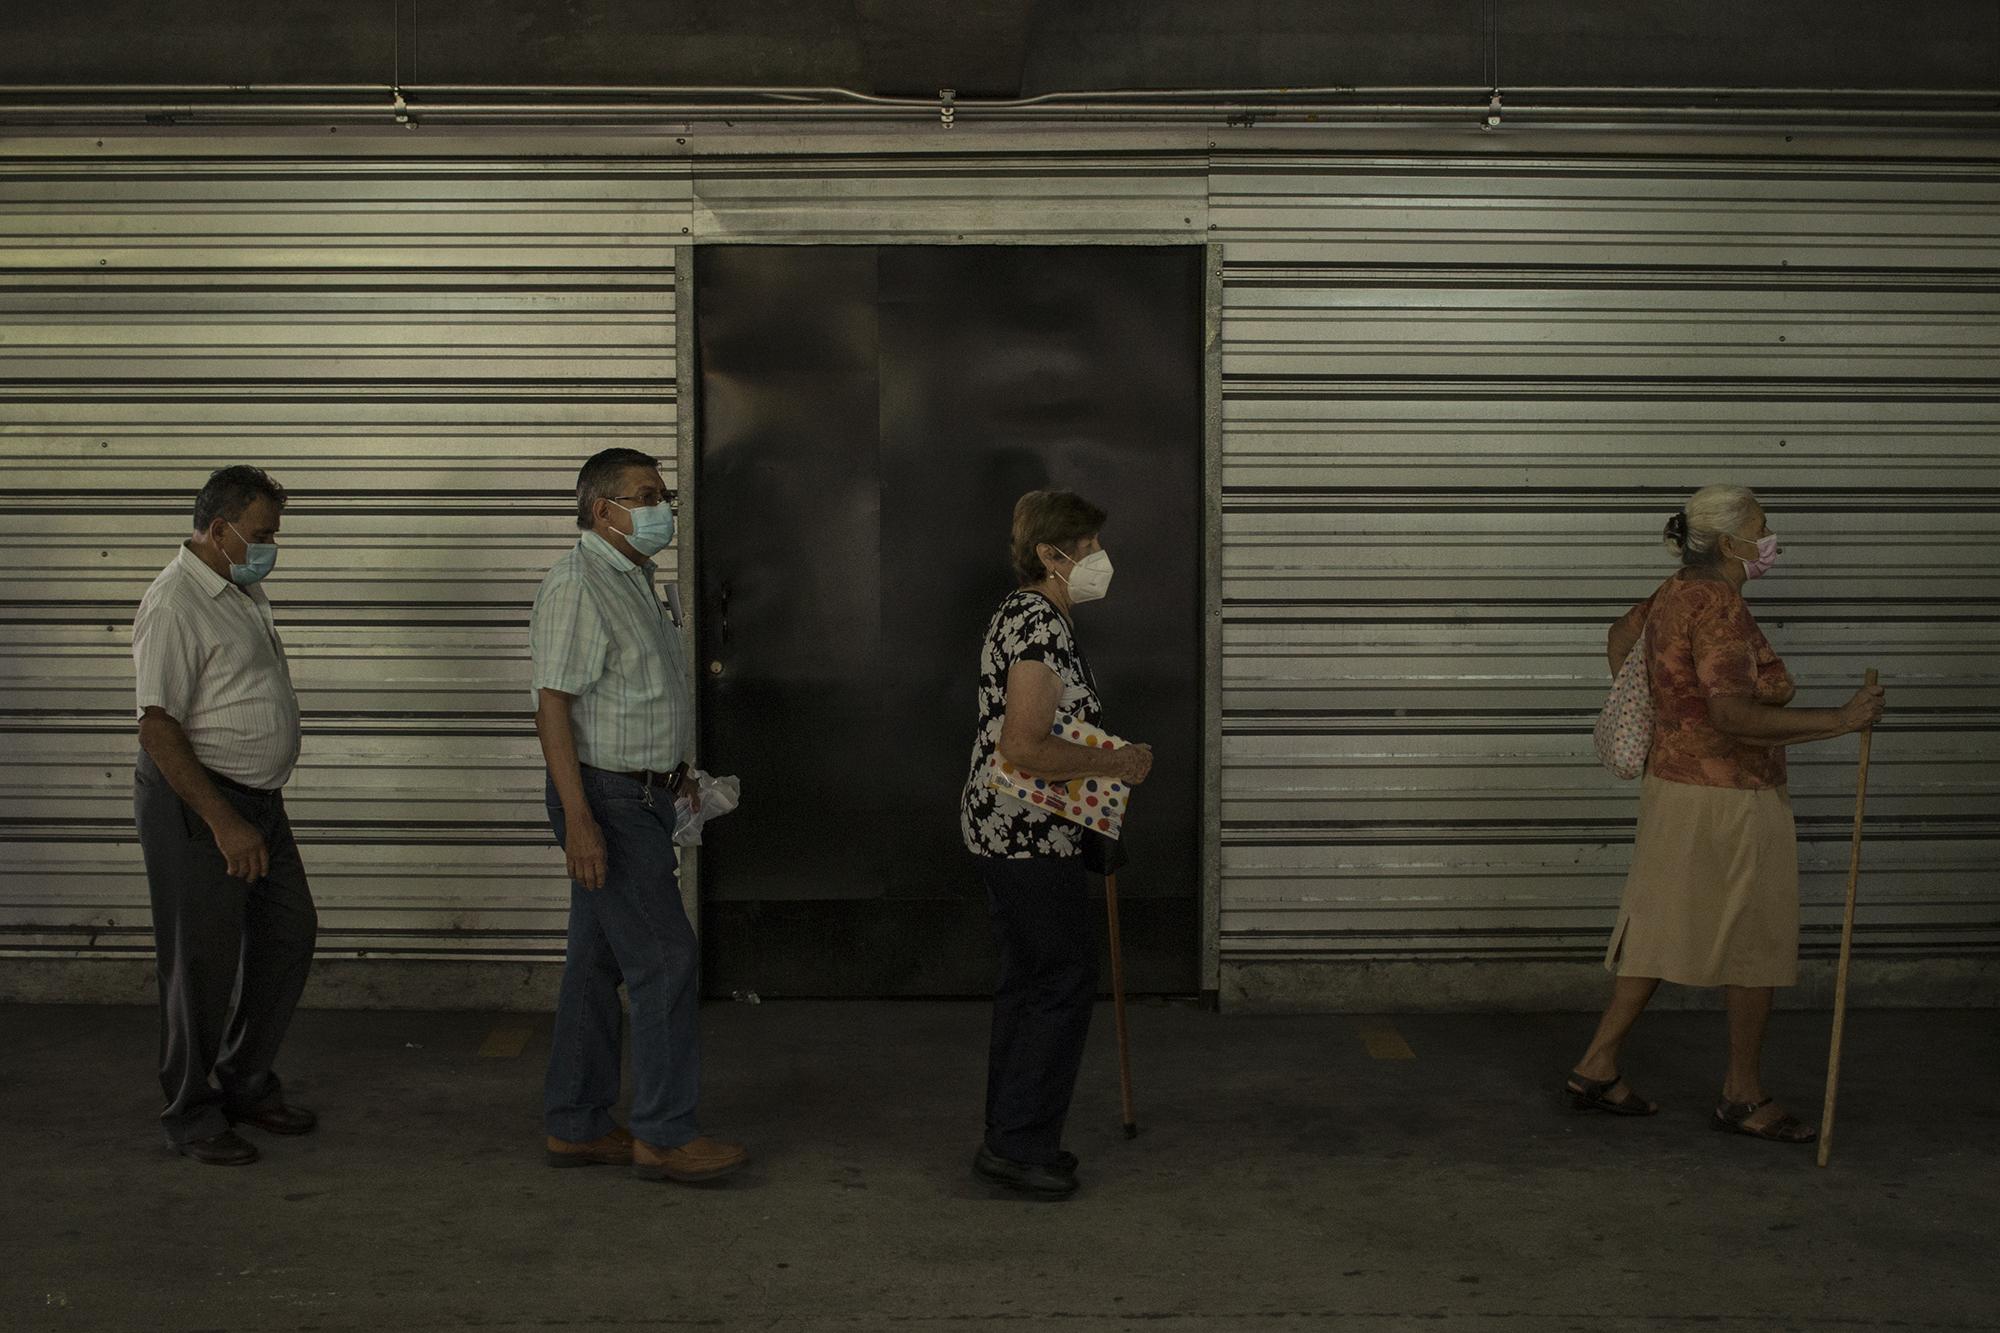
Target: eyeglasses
647	499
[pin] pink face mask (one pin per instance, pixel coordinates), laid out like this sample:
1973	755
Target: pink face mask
1767	555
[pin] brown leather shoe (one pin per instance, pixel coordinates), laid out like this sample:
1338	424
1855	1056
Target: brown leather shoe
225	1149
700	1159
277	1118
614	1149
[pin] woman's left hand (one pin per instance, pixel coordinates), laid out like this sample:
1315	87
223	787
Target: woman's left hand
1137	760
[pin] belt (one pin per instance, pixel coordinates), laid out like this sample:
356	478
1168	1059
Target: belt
646	777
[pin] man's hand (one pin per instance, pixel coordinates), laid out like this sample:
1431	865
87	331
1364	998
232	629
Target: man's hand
242	847
583	840
584	846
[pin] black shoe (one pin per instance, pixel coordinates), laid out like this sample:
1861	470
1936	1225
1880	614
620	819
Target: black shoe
1066	1162
277	1118
1041	1182
225	1149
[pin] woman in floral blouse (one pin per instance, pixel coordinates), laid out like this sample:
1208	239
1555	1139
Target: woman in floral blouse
1031	672
1713	894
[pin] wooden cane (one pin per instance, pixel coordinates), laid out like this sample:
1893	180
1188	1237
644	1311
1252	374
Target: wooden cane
1118	1005
1846	945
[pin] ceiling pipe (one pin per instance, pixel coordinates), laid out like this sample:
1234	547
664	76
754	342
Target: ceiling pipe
280	104
698	91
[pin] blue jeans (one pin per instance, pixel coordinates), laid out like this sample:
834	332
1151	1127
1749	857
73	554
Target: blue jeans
633	928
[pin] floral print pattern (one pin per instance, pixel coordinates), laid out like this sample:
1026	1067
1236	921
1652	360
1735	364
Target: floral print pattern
1026	628
1703	643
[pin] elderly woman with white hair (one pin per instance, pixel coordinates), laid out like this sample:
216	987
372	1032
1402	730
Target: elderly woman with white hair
1712	898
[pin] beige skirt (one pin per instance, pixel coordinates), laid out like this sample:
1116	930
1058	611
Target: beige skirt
1713	895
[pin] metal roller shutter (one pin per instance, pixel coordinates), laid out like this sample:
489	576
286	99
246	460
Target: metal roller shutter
422	352
1460	398
1460	393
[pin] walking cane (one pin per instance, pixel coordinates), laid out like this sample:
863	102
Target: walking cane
1846	945
1118	1004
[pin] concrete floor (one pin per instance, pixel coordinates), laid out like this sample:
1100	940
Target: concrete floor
1285	1178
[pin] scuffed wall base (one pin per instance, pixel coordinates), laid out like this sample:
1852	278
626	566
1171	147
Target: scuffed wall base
1273	987
1464	986
337	983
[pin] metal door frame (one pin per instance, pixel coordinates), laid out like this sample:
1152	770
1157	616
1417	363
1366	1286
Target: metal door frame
687	474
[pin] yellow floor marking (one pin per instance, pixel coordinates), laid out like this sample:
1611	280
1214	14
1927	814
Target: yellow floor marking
1379	1035
505	1043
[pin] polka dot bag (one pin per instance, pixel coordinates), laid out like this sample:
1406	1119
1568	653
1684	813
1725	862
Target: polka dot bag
1098	804
1624	730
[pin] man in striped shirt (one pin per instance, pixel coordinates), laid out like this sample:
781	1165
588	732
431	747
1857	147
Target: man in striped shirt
218	736
614	710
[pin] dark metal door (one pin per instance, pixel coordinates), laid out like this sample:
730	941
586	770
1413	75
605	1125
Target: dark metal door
868	417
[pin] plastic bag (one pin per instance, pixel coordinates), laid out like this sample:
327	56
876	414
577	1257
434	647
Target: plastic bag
713	798
1623	735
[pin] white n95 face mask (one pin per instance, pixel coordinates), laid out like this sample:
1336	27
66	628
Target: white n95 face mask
1089	578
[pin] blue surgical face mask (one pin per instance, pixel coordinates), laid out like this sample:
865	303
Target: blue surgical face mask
652	528
259	559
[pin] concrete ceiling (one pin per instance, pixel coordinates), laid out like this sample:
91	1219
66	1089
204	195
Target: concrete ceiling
1007	48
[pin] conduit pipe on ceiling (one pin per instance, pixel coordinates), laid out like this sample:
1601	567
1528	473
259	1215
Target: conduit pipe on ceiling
554	104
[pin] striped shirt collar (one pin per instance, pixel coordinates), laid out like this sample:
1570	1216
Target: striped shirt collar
605	551
197	569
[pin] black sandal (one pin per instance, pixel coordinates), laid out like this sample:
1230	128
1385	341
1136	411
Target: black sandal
1732	1118
1588	1094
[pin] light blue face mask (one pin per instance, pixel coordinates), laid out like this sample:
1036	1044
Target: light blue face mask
259	559
652	527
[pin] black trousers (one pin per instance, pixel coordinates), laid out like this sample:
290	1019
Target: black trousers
1045	922
221	940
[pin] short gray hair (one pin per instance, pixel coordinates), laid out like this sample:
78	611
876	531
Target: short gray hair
1695	534
231	490
600	477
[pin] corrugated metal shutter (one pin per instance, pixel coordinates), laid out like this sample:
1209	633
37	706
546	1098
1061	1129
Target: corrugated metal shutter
422	352
1461	396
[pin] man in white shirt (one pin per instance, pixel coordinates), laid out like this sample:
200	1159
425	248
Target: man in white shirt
219	735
